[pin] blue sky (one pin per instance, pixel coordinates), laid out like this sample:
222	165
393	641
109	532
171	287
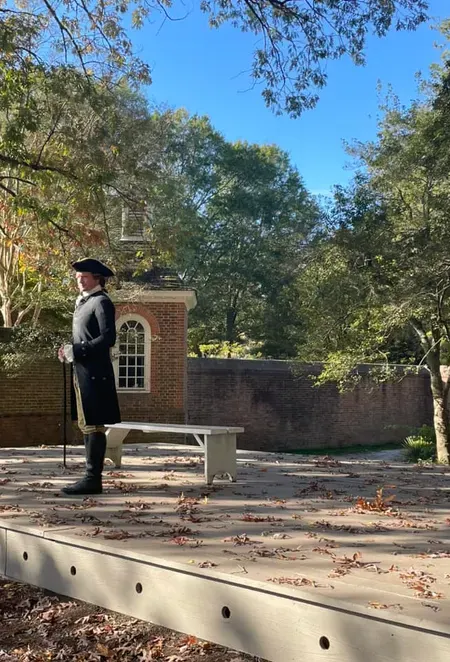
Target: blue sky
203	70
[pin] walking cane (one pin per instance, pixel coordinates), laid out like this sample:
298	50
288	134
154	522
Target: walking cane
64	425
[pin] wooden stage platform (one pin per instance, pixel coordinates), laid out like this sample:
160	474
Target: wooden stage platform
304	558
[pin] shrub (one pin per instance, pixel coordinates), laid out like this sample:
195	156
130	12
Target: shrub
421	445
25	343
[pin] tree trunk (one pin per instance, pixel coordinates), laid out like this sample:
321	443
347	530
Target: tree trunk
6	312
231	319
439	391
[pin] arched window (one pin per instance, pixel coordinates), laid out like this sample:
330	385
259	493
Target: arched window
132	354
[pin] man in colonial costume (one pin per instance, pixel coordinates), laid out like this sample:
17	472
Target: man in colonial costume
94	334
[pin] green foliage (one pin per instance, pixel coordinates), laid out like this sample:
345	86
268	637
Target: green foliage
293	40
421	445
29	344
89	36
240	241
233	220
76	141
345	369
379	271
97	149
239	350
296	39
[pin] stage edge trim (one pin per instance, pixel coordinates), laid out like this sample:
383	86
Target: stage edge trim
245	615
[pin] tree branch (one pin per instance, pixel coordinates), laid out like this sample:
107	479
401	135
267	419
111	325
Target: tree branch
49	137
64	30
424	340
8	190
18	179
36	166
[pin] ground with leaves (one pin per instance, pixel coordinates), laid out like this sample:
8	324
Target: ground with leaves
37	626
369	533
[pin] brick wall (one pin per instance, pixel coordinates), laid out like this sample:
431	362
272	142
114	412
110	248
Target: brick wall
283	411
278	409
31	404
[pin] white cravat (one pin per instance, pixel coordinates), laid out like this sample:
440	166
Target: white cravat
85	294
68	349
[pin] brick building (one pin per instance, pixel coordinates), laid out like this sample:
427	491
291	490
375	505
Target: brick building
150	363
150	357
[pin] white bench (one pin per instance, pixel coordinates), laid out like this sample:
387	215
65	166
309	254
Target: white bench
218	443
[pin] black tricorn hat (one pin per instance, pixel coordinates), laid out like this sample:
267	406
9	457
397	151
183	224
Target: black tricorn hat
93	267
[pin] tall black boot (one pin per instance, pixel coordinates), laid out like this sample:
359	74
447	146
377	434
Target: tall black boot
95	444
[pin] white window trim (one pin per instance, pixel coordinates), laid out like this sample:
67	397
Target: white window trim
133	317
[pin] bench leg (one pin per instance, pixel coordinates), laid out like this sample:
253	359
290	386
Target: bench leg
114	442
220	456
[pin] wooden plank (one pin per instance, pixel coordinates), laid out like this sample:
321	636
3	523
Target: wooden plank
162	427
254	617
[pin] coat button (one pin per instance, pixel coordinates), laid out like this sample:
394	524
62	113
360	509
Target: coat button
92	377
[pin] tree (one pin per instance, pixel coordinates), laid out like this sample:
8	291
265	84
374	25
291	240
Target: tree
60	67
384	265
298	37
90	140
295	38
38	205
62	75
260	222
234	218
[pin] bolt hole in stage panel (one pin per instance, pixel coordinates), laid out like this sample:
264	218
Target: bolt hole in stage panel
277	624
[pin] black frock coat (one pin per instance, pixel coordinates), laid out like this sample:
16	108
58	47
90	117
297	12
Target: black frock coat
94	333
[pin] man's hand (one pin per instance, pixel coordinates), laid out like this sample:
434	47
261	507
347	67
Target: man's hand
65	353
